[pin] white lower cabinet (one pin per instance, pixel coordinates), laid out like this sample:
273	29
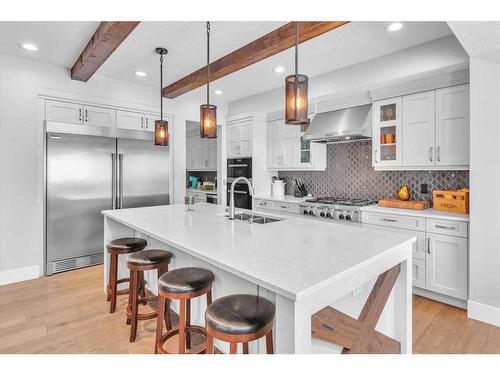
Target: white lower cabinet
446	265
418	273
440	255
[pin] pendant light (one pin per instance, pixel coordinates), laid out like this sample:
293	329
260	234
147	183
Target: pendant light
208	112
296	91
161	126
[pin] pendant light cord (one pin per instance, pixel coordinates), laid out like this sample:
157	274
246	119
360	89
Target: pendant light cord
161	87
296	88
208	63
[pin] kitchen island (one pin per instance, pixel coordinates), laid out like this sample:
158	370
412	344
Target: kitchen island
300	265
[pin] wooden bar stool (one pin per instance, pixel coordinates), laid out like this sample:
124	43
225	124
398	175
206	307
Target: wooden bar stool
120	246
239	318
139	262
182	284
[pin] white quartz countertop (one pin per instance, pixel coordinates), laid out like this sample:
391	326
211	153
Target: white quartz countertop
202	191
286	198
293	257
430	213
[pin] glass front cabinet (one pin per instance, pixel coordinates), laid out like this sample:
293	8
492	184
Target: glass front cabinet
387	133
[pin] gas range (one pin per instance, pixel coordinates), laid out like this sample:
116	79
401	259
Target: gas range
336	209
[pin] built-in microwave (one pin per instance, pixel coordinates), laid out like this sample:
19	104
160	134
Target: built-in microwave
241	167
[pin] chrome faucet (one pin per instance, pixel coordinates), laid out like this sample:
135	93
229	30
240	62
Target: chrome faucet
231	194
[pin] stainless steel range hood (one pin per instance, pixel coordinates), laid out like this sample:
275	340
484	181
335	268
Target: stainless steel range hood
343	125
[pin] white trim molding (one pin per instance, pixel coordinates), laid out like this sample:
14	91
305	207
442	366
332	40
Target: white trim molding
19	274
484	313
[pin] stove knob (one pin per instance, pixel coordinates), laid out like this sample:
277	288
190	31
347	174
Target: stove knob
306	212
322	214
341	217
328	214
348	217
311	212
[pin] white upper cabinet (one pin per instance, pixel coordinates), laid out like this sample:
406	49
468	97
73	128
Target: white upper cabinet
239	139
130	120
201	153
287	150
452	125
99	116
427	130
387	133
419	129
63	112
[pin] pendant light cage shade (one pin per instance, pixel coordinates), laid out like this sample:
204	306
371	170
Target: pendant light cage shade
296	102
161	133
208	121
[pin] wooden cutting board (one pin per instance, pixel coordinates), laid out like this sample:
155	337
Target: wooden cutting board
409	205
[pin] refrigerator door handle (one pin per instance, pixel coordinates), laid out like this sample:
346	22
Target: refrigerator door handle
120	180
113	181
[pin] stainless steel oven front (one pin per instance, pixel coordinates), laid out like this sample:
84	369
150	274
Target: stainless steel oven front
241	167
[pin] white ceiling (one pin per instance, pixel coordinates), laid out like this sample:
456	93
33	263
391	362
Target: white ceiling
61	42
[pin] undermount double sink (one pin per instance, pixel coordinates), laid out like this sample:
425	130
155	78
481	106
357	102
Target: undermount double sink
254	219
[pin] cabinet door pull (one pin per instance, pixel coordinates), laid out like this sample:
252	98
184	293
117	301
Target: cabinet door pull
443	227
390	220
79	114
376	161
428	245
430	153
283	206
142	122
438	153
86	116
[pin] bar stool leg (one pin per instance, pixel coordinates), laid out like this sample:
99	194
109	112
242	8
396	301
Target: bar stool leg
166	315
129	296
142	287
233	348
113	271
269	342
134	289
159	322
209	345
188	323
182	326
245	348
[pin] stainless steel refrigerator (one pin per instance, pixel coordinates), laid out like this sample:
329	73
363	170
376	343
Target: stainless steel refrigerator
86	174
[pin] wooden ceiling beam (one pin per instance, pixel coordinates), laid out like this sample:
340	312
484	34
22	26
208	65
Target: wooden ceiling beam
268	45
108	36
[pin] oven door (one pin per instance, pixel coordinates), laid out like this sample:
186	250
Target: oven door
242	198
239	168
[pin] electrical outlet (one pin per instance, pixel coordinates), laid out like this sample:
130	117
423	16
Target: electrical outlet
424	189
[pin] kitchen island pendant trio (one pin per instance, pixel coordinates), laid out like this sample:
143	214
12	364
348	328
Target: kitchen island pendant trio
296	101
208	112
161	126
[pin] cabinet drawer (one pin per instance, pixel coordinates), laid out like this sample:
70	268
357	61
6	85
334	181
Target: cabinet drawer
394	221
449	227
292	208
418	273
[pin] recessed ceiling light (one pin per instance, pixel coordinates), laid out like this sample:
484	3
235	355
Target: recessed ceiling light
218	92
279	69
140	74
29	47
395	26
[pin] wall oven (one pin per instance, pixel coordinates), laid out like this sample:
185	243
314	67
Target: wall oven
242	197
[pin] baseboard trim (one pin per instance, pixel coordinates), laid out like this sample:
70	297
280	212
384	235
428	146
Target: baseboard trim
440	297
19	274
484	313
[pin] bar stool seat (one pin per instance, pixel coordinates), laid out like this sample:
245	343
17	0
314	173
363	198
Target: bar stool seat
139	262
149	257
126	245
185	280
182	284
240	318
116	247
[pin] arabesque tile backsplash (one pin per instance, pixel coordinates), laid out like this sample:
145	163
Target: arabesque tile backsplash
349	173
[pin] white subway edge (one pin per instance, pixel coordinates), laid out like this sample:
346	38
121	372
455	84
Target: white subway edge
19	274
484	313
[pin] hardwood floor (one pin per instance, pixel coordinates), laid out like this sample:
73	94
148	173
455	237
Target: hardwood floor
68	313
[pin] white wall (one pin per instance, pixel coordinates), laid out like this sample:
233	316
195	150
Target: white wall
21	150
442	55
484	253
